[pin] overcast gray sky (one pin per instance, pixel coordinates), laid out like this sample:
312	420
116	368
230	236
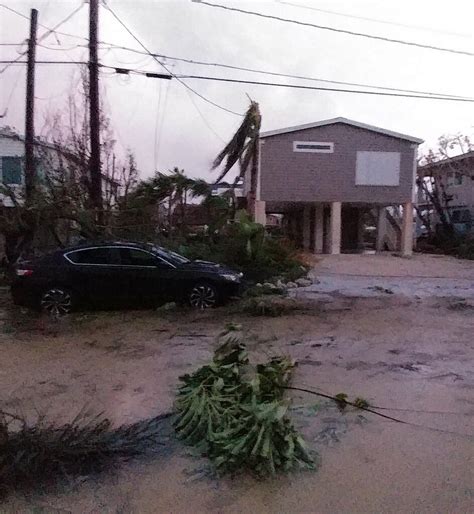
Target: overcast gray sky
190	132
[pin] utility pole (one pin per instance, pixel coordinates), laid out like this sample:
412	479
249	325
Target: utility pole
30	168
94	111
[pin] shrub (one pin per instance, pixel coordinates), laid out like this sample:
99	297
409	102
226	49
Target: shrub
240	420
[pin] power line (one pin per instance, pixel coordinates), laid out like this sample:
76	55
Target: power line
375	20
287	75
316	88
334	29
47	62
41	25
161	64
291	86
45	35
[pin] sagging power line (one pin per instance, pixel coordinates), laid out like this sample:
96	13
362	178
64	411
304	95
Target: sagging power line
334	29
289	86
165	67
279	74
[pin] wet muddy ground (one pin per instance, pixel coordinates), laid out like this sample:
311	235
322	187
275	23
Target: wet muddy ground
413	356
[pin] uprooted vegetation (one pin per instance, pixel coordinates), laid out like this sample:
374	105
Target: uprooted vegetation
237	415
40	455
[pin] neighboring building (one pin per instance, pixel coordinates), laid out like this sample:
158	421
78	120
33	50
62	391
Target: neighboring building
324	176
223	187
456	175
12	160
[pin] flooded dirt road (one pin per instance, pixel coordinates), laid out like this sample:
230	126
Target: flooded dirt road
413	356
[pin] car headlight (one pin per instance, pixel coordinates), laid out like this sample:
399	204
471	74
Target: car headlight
232	277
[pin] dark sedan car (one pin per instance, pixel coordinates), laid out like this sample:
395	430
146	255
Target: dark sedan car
130	273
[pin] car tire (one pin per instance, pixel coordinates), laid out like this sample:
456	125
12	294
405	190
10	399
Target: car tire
203	295
57	301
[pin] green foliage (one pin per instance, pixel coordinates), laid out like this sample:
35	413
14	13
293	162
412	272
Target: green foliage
237	418
245	247
361	403
341	400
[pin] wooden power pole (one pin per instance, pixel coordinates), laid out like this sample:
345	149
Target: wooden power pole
94	111
30	167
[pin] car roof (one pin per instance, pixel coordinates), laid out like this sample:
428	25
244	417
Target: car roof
92	244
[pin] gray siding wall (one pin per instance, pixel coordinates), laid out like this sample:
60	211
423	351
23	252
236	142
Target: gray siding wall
288	176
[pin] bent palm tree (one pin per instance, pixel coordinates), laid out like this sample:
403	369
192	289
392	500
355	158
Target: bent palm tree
244	148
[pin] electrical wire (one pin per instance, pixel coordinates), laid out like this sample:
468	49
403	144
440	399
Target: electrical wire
372	410
316	88
41	25
286	75
334	29
161	64
45	62
10	96
291	86
375	20
43	36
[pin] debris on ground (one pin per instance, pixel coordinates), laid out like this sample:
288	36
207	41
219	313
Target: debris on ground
237	415
40	455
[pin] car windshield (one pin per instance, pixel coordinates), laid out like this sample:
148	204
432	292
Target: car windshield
170	256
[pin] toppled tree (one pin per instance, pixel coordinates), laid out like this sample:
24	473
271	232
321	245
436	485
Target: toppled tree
237	416
39	455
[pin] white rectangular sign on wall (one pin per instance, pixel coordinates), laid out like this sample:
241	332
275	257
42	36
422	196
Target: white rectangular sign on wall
377	169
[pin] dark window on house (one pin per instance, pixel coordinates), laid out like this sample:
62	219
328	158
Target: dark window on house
134	257
11	170
455	178
313	147
91	256
461	216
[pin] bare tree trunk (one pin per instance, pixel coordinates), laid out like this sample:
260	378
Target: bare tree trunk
252	194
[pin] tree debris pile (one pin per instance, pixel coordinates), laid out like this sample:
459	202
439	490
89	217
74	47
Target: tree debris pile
237	415
42	454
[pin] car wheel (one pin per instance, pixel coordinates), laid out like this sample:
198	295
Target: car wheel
57	301
203	296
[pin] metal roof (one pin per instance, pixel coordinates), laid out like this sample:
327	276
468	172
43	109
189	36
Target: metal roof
346	121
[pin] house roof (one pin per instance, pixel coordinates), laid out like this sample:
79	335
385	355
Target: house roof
346	121
443	162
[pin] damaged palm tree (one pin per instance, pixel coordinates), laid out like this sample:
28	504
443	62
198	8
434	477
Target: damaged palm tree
244	148
237	415
42	454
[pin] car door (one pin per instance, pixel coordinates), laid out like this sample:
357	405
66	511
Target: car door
149	277
97	273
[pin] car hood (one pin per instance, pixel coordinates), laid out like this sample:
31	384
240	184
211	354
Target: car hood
208	266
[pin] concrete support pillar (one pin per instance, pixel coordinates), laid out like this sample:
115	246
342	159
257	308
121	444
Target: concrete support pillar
319	229
260	213
335	228
306	227
381	229
407	229
360	229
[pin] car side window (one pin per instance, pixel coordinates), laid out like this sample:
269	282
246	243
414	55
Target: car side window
90	256
135	257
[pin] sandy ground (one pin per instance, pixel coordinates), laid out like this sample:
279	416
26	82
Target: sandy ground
403	350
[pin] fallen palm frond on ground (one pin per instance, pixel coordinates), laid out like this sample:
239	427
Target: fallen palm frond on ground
42	454
237	415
